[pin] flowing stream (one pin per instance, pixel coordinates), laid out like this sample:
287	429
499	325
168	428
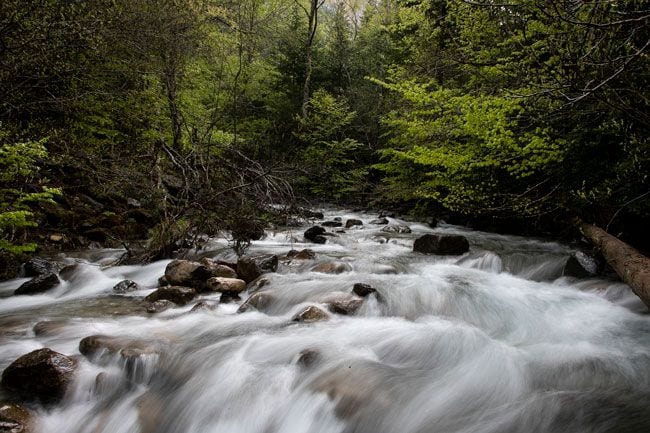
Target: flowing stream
495	340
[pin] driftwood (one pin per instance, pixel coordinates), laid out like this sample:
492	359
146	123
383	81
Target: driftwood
632	266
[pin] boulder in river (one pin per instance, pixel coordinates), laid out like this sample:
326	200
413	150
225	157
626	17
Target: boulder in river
342	303
159	306
14	418
579	265
126	286
226	285
251	267
315	235
310	314
441	244
95	346
42	375
257	301
396	228
332	268
332	224
353	222
306	254
48	327
218	269
203	306
363	290
39	266
379	221
39	284
176	294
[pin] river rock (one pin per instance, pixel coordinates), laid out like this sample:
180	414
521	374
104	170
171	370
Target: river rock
203	306
315	235
48	327
257	301
159	306
126	286
306	254
308	358
42	375
353	222
39	284
363	290
307	213
14	418
579	265
67	272
379	221
441	244
176	294
396	228
184	273
332	268
218	269
96	346
229	285
251	267
332	224
39	266
310	314
342	303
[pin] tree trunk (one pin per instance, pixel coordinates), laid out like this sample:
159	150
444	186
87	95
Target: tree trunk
632	266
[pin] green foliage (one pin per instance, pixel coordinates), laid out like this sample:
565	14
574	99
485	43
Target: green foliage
329	155
18	167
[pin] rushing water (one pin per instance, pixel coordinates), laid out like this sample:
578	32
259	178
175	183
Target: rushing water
492	341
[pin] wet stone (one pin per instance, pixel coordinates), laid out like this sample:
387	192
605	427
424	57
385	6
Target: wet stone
396	228
332	268
363	290
126	286
42	375
332	224
39	284
257	301
176	294
309	357
204	306
353	222
159	306
251	267
230	285
14	418
315	235
48	327
310	314
441	244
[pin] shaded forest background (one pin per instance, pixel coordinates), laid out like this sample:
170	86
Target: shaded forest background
122	120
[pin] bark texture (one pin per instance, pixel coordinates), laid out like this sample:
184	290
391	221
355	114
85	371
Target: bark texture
632	266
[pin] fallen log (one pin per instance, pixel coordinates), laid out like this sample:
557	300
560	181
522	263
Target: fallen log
632	266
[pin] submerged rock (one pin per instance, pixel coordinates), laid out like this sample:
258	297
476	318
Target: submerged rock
315	235
579	265
204	306
96	346
379	221
310	314
176	294
48	327
159	306
39	284
441	244
251	267
342	303
42	375
126	286
14	418
332	268
353	222
309	357
257	301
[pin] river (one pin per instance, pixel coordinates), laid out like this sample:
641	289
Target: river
495	340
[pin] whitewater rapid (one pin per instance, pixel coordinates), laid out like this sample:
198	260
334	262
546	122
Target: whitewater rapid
496	340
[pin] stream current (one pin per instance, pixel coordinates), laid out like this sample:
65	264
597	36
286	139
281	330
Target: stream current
495	340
